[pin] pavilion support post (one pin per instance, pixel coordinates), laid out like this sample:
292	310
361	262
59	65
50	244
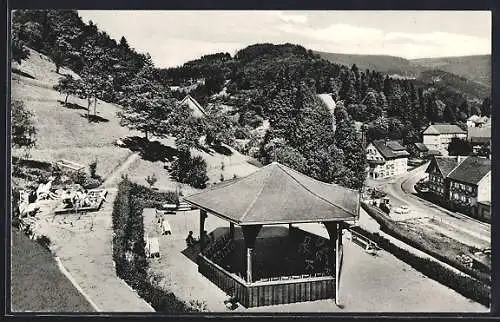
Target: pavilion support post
231	230
250	233
203	216
249	264
338	264
335	234
290	227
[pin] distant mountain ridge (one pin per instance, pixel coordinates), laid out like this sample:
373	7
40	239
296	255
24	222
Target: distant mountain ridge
476	68
381	63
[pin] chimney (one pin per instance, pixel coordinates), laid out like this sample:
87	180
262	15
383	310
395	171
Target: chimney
386	141
461	158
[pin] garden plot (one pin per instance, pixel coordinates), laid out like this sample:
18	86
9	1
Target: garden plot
437	227
434	236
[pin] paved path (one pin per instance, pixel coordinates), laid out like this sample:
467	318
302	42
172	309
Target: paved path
380	283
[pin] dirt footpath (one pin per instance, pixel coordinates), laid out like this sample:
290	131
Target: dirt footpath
84	247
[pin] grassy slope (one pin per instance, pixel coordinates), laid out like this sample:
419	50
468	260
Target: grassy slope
65	133
38	285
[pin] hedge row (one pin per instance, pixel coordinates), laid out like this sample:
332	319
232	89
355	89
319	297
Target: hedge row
468	287
390	228
128	248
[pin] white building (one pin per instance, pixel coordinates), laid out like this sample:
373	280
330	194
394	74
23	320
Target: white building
386	159
477	121
196	108
438	136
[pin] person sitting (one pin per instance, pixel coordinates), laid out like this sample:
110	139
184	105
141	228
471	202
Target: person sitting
190	240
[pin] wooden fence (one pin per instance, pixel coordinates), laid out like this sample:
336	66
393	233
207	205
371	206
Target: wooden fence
268	292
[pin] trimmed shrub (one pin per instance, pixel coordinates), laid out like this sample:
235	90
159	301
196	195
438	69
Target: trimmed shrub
128	238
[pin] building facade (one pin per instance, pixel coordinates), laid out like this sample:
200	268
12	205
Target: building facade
462	183
438	136
386	159
438	171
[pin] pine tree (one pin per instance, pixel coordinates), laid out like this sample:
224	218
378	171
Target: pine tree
350	143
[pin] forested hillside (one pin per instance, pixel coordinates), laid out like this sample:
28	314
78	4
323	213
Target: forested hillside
104	64
381	63
476	68
263	82
392	107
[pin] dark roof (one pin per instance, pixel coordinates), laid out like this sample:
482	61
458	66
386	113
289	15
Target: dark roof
480	140
479	134
421	147
444	129
444	164
374	161
276	194
471	170
390	149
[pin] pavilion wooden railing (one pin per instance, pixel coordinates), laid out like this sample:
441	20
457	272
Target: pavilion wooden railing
283	290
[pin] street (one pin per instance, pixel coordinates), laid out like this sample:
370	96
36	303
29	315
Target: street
454	225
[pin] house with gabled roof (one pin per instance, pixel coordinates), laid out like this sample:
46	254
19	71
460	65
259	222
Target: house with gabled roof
463	183
438	171
386	158
479	137
470	183
438	136
196	108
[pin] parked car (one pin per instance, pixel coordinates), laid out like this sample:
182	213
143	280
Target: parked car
402	210
424	189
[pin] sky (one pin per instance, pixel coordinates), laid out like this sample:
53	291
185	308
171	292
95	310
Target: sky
175	37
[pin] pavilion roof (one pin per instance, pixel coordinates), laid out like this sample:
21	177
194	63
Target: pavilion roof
277	194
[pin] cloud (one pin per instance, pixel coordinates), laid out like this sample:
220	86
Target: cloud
346	38
291	17
336	33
